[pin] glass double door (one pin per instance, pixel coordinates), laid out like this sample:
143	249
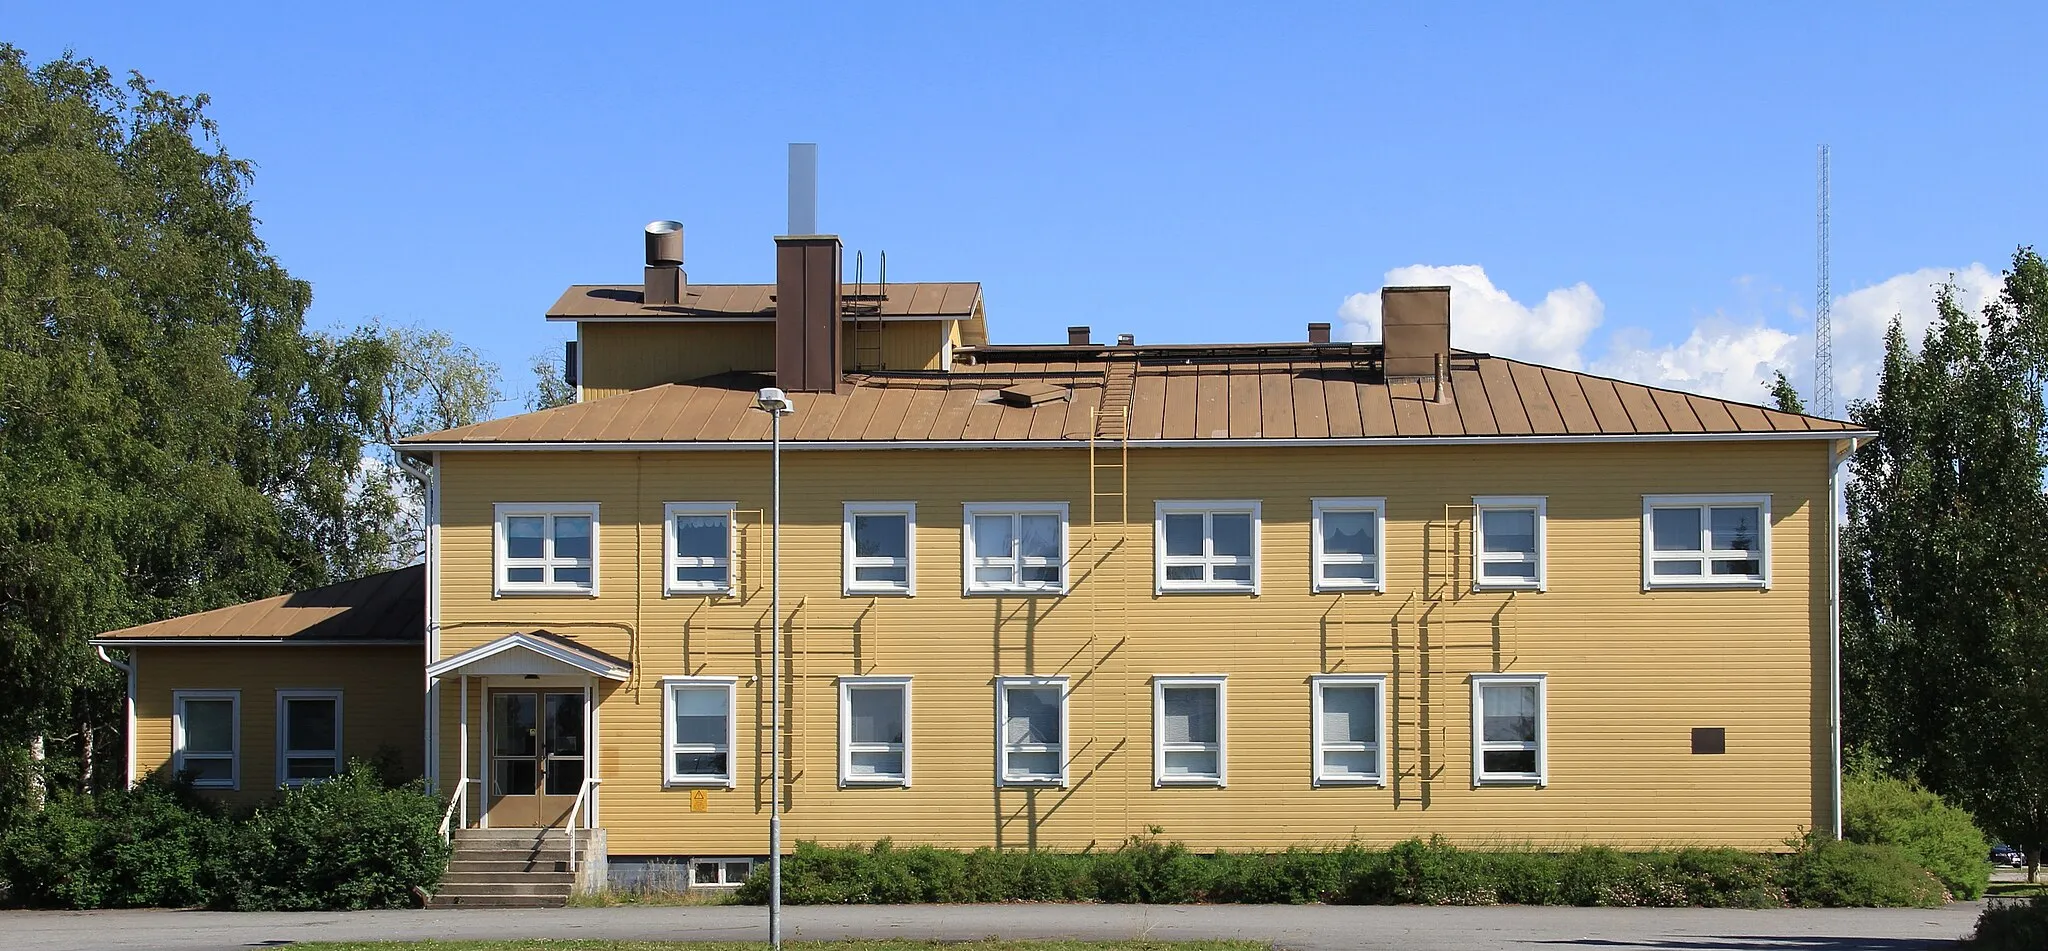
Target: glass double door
537	753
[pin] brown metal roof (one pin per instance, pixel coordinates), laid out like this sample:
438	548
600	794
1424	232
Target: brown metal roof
929	301
1182	394
384	607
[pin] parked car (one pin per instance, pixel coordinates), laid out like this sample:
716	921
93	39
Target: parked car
2008	856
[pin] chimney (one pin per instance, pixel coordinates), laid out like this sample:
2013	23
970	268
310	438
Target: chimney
664	280
1415	331
807	292
1077	336
1318	333
1126	340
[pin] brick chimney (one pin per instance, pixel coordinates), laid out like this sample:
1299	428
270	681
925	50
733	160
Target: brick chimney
1318	333
1077	336
1415	330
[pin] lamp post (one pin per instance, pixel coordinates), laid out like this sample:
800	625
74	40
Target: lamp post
772	401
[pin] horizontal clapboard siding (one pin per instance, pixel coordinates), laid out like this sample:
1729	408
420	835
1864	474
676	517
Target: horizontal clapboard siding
1630	673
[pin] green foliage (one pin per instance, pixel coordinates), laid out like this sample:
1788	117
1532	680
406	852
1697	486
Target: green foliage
130	848
1944	617
171	438
1431	872
347	843
1943	839
1785	396
549	389
2019	926
1830	874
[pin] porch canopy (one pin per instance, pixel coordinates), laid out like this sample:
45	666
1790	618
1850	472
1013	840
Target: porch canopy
537	653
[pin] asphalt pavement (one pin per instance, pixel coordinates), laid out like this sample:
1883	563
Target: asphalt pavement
1303	928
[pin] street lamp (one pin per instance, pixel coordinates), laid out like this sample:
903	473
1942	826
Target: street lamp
777	405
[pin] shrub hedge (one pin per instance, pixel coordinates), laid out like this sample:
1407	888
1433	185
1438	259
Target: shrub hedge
350	842
1432	872
1882	810
2021	926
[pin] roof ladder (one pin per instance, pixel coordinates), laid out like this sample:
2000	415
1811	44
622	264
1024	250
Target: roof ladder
868	355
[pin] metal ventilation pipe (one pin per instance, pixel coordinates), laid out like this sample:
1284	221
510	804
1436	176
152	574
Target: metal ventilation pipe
664	281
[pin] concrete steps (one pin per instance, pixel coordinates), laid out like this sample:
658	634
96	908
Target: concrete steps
507	868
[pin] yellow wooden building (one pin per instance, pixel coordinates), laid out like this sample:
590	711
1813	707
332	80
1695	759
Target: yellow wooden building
1054	596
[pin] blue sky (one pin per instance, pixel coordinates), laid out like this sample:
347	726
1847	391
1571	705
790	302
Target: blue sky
1626	188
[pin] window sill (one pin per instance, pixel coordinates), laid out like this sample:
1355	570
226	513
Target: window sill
1535	781
1046	592
216	785
1206	782
707	782
1207	589
1509	586
519	592
1363	782
1335	587
1704	584
879	592
1049	782
896	783
713	592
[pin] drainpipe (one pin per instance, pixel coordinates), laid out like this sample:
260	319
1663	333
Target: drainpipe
128	732
1837	502
430	483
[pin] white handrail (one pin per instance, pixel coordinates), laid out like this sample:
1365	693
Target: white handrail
448	814
582	795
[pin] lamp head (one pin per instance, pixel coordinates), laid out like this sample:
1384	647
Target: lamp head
773	402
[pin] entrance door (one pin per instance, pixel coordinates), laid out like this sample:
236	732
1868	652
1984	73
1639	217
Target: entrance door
536	757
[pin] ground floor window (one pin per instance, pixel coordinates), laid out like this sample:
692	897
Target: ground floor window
1031	720
698	731
1509	734
720	873
874	731
1348	722
206	732
1187	730
308	735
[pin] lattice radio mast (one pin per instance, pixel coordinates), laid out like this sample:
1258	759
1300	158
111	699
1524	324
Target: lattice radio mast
1823	329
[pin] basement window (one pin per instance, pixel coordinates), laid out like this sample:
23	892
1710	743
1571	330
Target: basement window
874	731
1031	731
1706	541
1509	732
1507	549
697	731
1349	729
1015	547
1208	546
308	736
1349	536
697	542
720	873
206	730
1187	730
880	541
547	548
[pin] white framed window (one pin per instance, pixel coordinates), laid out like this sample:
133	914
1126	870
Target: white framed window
874	731
308	736
697	543
1189	744
1348	541
697	731
1207	546
1507	542
1510	730
1031	731
1706	541
1011	547
881	548
206	737
546	547
1350	729
720	873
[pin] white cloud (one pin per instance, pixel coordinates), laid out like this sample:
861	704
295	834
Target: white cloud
1721	355
1484	317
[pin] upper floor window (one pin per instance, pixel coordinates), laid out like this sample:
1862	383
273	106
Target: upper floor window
206	734
1507	544
1031	725
308	735
1509	732
1706	540
1349	726
697	545
547	547
1349	535
874	731
1016	547
881	545
1188	731
1208	546
697	731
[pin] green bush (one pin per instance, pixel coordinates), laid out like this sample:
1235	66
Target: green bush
346	843
1830	874
129	848
1882	810
2014	927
